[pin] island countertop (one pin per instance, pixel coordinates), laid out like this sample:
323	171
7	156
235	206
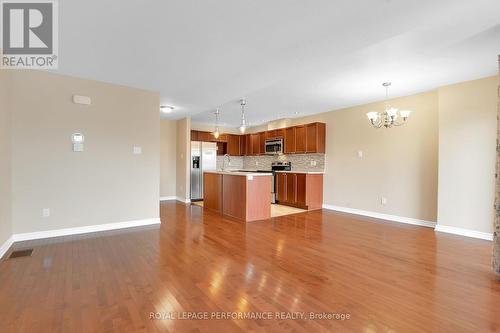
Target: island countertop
240	173
305	172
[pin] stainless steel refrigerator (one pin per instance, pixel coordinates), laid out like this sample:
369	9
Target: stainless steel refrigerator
203	158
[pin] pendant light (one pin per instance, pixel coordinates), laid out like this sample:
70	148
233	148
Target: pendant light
216	131
243	125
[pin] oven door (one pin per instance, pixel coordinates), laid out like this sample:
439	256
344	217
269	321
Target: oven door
274	146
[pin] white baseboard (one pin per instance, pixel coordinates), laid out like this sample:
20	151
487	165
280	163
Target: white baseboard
173	197
83	230
464	232
393	218
184	200
6	246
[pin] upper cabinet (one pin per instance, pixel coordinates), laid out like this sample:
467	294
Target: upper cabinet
233	145
301	139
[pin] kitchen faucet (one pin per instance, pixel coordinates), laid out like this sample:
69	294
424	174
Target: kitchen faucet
224	161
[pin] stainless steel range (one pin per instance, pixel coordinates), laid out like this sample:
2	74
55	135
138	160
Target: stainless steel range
278	166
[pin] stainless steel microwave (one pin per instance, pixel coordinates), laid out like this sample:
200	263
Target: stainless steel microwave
274	146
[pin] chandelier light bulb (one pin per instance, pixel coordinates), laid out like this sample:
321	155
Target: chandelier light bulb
216	133
242	128
405	113
372	116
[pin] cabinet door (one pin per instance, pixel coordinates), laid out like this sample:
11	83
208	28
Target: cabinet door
262	143
301	189
300	139
291	188
194	135
233	145
281	187
248	143
243	145
290	140
312	138
270	134
255	143
279	133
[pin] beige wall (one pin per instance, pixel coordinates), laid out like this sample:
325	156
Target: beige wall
400	163
168	148
467	137
106	183
5	158
183	158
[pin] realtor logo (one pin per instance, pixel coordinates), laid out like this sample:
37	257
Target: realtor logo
29	34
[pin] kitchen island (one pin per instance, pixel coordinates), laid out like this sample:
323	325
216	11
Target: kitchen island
244	196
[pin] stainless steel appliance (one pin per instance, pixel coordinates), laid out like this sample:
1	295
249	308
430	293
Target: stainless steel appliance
203	158
278	166
274	146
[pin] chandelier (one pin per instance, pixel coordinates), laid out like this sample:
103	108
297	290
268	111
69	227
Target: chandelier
391	116
216	130
243	124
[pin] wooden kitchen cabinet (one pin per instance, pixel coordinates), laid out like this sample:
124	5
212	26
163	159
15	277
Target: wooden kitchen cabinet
315	138
291	188
281	187
233	145
300	139
309	138
243	145
262	143
302	190
248	144
289	140
255	139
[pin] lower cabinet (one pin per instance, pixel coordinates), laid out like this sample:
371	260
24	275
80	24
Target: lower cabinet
302	190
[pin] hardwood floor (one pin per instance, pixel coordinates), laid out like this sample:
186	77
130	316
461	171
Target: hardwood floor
387	277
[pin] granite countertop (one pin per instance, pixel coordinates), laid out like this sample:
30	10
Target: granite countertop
306	172
240	173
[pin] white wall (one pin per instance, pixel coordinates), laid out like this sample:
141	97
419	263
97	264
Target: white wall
467	153
104	184
168	152
5	158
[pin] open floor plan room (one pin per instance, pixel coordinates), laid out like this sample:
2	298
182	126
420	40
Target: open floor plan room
249	166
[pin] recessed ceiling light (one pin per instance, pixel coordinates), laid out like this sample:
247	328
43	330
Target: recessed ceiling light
166	108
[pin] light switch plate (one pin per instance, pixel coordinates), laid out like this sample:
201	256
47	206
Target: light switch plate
46	212
137	150
360	154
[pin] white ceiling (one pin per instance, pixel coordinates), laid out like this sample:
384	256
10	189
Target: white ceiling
283	56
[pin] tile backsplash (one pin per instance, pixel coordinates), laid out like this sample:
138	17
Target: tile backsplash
300	162
235	162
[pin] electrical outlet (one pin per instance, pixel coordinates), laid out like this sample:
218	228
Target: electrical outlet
383	201
137	150
256	162
313	163
46	212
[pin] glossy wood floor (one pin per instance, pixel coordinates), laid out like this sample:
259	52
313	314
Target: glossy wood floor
387	277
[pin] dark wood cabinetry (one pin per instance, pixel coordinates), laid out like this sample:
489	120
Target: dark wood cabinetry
281	187
289	140
309	138
233	145
255	140
300	139
301	190
315	138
